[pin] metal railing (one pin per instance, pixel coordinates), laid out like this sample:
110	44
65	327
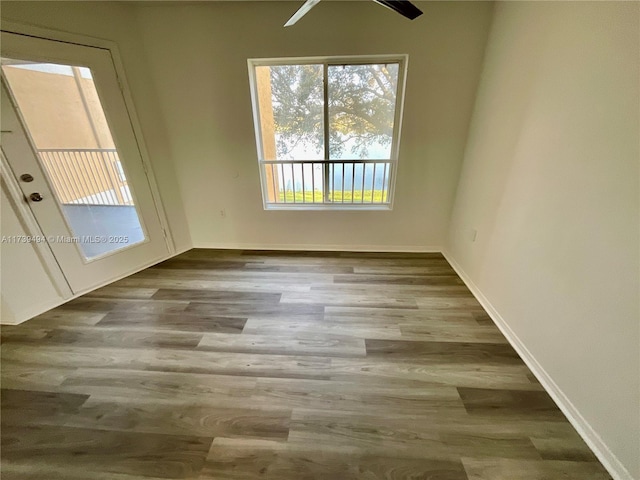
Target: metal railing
87	176
349	182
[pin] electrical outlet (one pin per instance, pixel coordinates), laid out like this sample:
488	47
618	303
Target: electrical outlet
223	213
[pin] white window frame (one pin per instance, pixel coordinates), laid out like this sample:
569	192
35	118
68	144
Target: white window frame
400	59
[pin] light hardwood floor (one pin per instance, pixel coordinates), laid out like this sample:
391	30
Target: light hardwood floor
282	366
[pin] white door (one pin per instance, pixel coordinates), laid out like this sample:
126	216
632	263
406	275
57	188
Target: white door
69	142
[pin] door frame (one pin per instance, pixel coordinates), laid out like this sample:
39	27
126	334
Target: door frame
32	228
24	212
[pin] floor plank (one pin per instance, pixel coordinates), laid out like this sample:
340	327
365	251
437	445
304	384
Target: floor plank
235	365
509	469
165	456
241	460
312	344
105	337
442	352
208	295
27	406
159	387
175	322
174	418
503	402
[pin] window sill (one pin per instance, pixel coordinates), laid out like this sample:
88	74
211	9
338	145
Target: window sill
324	207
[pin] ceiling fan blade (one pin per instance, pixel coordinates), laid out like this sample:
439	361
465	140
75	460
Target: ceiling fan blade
302	11
403	7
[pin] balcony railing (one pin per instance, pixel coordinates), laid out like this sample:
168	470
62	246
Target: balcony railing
87	176
348	182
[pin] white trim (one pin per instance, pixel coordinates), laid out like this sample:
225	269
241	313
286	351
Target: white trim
142	147
321	247
337	59
28	220
608	459
112	47
257	128
379	207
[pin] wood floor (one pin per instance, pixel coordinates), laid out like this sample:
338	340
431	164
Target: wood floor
232	365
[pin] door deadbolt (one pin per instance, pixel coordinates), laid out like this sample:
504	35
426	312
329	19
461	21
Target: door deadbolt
25	177
35	197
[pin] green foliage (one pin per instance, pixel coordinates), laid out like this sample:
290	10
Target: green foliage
361	107
297	96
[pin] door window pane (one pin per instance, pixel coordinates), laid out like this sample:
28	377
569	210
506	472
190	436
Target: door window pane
64	117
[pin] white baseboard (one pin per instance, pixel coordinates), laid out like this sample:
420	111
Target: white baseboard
586	431
321	247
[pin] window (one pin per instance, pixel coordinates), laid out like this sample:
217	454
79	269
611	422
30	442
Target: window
327	130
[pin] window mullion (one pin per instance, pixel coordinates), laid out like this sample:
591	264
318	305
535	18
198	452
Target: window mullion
325	87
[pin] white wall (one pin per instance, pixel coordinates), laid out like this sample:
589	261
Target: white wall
191	91
116	22
550	183
197	54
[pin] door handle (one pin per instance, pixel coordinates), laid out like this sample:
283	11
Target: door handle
36	197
